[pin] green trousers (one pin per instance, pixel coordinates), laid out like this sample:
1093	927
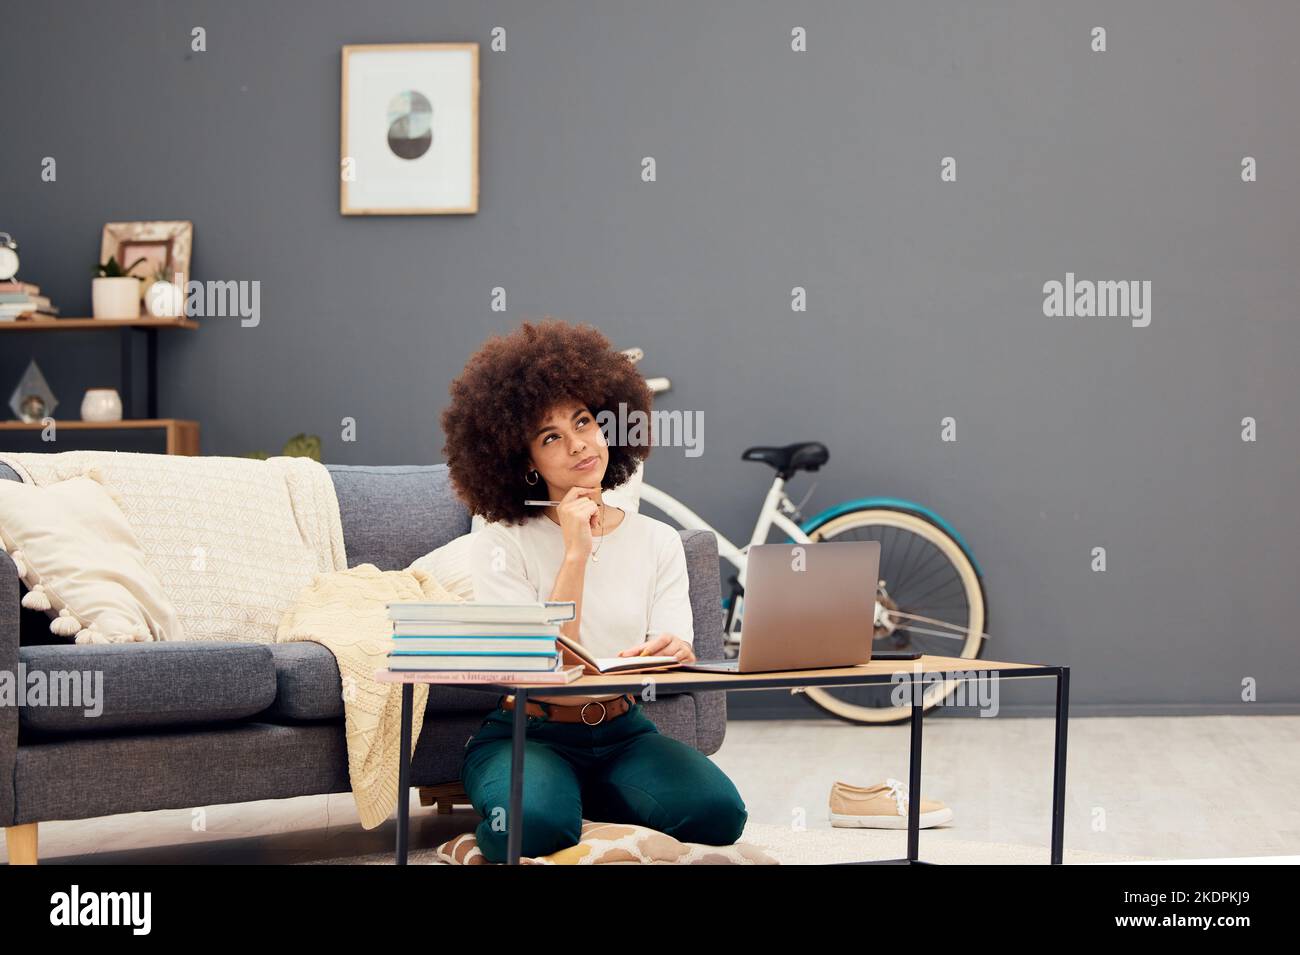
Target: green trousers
623	770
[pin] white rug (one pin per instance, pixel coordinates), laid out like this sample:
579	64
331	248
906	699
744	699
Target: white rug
819	846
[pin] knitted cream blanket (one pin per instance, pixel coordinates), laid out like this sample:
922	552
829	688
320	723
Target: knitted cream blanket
231	540
346	612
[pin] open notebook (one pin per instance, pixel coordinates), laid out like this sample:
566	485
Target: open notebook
592	664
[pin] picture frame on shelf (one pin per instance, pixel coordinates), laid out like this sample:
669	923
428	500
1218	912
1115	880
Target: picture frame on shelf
163	244
409	129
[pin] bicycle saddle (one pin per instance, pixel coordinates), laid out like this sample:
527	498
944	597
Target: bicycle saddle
801	456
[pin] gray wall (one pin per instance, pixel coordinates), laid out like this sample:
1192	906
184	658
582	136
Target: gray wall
775	170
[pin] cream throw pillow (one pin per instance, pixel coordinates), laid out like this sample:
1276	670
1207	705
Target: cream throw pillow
449	565
82	563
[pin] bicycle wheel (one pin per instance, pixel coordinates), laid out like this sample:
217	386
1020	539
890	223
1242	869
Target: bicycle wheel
923	572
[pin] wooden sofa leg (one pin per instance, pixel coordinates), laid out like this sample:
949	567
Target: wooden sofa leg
21	841
444	796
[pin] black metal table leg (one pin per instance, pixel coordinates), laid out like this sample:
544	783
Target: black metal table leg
127	386
404	774
914	776
515	817
151	372
1058	767
136	404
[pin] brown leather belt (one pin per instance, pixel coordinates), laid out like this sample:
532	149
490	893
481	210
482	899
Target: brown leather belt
593	712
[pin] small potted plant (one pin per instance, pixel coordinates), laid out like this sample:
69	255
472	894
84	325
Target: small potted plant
299	446
115	292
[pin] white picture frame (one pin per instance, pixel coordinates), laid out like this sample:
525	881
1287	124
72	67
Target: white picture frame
409	129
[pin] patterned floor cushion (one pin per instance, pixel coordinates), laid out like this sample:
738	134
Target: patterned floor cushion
605	843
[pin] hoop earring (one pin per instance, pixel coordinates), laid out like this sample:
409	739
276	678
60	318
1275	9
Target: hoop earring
536	477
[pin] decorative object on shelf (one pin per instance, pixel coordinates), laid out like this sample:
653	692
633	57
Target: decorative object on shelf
18	299
299	446
101	404
115	293
33	401
164	246
22	300
8	257
426	96
164	298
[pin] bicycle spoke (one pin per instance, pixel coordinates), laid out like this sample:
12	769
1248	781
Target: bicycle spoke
922	600
905	577
926	579
911	541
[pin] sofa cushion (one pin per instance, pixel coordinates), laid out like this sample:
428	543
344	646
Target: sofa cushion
136	686
307	684
392	515
309	688
706	592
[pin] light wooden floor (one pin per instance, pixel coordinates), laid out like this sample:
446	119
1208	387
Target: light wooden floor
1173	787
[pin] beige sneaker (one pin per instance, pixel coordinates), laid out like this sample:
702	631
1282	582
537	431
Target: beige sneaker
883	806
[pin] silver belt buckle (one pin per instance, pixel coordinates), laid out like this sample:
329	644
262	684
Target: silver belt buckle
583	712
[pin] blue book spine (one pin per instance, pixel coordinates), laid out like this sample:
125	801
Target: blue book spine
480	653
472	636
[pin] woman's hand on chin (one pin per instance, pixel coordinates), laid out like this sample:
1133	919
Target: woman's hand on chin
662	645
577	512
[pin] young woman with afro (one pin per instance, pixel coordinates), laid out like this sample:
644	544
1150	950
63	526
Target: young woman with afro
523	424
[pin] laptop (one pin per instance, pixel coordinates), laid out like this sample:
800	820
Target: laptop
807	606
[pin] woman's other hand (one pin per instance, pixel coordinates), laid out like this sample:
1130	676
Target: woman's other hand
663	645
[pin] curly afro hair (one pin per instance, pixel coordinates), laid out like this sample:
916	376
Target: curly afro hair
503	395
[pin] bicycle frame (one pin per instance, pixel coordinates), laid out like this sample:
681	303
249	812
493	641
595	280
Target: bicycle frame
774	512
777	511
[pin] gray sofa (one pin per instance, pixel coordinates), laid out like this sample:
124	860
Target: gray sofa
197	724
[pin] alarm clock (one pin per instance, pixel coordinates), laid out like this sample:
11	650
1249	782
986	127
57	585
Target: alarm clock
8	257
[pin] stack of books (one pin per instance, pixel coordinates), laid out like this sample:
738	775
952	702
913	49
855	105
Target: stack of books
481	643
23	300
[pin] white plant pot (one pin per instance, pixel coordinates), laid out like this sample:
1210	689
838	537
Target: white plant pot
101	404
117	298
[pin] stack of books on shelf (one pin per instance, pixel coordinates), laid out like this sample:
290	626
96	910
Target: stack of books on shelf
23	300
481	643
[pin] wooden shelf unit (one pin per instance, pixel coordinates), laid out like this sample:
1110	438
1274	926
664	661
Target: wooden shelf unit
141	405
182	436
93	324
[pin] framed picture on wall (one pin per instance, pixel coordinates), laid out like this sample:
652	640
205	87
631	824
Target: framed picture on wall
409	129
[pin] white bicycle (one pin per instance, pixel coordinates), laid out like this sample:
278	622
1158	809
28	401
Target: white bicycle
930	596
